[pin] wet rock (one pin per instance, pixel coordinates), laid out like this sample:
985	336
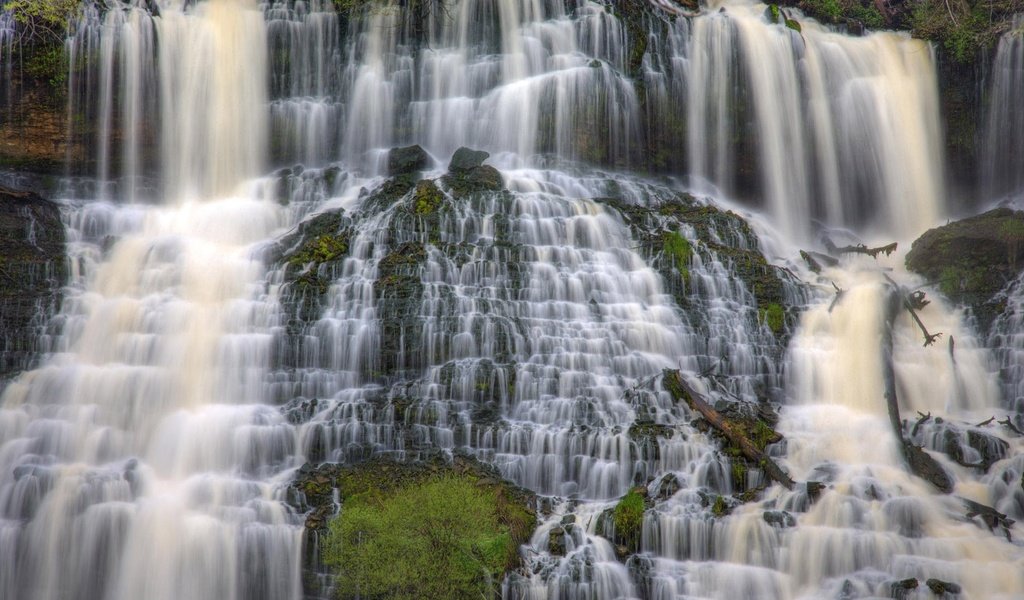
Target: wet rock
903	588
939	587
667	487
990	448
477	179
32	272
556	541
973	259
407	160
465	159
779	518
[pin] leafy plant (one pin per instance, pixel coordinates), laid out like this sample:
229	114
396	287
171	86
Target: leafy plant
41	20
437	539
628	517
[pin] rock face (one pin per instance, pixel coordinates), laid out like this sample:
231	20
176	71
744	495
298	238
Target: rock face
32	271
973	259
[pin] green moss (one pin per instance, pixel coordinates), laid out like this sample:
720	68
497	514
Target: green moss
427	198
628	517
679	250
446	537
719	508
774	317
739	473
319	250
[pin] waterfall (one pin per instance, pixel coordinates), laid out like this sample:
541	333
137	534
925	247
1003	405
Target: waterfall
1004	127
198	367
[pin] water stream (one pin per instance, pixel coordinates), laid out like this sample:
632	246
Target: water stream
149	455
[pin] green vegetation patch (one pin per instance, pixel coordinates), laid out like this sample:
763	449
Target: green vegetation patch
628	518
774	317
425	531
427	198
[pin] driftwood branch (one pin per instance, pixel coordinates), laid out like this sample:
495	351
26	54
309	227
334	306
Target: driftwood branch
924	419
681	390
920	462
859	249
839	296
913	302
1009	425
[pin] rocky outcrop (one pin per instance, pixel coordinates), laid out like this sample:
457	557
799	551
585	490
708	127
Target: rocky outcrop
973	259
32	271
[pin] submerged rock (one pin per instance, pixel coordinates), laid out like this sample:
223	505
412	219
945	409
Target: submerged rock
973	259
32	272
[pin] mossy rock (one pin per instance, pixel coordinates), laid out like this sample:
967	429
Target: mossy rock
311	255
407	160
628	520
477	179
972	260
427	198
461	504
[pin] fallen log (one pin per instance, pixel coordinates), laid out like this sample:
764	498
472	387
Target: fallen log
920	462
859	249
681	390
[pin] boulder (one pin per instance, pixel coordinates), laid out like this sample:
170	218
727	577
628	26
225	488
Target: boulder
973	259
410	159
465	159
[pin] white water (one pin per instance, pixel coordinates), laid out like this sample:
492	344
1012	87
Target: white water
150	445
1004	126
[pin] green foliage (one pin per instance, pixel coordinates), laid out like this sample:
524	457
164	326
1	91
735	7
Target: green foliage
962	33
843	11
50	64
679	250
427	198
719	508
774	317
42	20
773	13
438	539
629	517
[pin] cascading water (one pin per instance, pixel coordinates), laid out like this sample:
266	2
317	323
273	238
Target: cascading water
525	323
1004	128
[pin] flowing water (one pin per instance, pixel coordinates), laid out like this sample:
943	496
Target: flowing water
150	454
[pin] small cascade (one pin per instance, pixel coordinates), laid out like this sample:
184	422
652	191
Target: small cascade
1004	127
8	39
202	123
824	126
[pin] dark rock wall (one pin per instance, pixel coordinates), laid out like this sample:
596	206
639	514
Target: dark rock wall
32	271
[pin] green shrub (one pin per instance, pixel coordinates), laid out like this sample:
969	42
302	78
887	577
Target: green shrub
774	317
629	517
437	539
